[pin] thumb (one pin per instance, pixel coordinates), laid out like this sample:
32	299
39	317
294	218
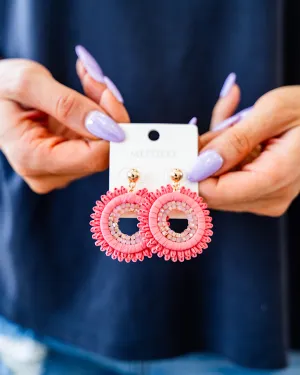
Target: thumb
32	85
233	145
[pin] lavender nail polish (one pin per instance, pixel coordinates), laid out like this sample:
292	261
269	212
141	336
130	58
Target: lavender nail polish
102	126
227	123
233	119
208	163
228	84
243	113
90	64
113	88
193	121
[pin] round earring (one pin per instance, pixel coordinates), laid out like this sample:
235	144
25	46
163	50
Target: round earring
105	224
155	226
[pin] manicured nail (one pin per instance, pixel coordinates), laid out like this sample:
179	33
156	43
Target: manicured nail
113	88
226	123
228	84
208	163
90	64
243	113
193	121
102	126
233	119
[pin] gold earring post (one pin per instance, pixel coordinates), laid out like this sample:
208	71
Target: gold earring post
176	177
133	175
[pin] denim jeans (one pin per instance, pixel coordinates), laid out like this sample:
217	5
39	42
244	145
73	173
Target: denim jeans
21	354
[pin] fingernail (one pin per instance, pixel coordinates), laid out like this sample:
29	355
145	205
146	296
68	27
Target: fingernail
226	123
90	64
193	121
102	126
113	88
243	113
233	119
208	163
228	84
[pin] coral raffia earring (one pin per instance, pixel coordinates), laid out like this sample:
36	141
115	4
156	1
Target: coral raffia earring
155	227
106	216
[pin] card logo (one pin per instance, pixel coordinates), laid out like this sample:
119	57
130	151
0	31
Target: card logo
154	154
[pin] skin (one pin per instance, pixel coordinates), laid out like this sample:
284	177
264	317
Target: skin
261	181
45	141
43	136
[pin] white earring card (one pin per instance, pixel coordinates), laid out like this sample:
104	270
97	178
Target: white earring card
154	150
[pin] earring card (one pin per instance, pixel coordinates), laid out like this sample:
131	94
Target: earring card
154	150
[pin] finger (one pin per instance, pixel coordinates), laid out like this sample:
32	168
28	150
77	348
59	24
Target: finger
92	88
279	160
206	138
95	71
74	157
13	110
90	63
101	94
209	136
14	115
230	121
267	119
259	179
44	184
113	107
274	204
34	152
79	113
234	189
226	106
53	155
263	207
32	85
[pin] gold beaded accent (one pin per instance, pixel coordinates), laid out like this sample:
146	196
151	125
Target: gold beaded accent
133	176
176	177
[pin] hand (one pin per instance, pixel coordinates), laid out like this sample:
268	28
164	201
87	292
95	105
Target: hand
51	134
267	184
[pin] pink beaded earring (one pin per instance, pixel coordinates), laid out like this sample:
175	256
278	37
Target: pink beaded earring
105	223
155	226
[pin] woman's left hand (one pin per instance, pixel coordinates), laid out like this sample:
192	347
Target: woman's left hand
268	184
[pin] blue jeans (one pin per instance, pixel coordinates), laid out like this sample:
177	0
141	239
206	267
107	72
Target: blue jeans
54	358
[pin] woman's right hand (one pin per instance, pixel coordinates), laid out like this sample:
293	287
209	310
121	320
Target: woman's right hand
50	134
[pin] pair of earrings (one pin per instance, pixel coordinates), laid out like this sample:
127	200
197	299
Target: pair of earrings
152	210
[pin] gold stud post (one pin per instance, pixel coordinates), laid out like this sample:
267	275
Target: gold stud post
133	176
176	177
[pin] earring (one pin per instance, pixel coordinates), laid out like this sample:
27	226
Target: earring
155	227
105	223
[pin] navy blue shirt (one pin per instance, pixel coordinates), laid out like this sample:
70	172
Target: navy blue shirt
169	59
